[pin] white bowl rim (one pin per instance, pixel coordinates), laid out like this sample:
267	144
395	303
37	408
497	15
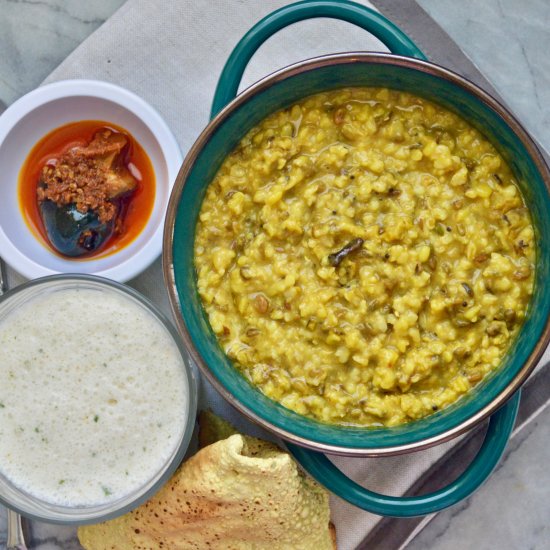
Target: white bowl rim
130	101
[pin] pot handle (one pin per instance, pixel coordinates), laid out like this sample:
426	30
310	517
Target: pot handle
395	39
498	433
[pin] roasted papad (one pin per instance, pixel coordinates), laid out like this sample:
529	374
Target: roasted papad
236	493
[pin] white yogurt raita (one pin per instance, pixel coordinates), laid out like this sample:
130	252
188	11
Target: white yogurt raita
93	396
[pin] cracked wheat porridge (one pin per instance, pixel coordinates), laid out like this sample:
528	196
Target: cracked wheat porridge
365	257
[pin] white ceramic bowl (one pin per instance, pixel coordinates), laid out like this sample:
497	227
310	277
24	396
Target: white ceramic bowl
25	122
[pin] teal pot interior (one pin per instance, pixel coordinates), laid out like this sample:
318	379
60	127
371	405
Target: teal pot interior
279	91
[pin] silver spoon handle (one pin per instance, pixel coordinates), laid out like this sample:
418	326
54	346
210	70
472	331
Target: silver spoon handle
16	540
3	277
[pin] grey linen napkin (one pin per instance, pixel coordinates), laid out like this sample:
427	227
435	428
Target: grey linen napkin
171	54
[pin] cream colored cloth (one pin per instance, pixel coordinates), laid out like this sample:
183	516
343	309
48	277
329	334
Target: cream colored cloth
171	53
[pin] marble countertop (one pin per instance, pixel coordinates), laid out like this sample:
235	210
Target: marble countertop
509	43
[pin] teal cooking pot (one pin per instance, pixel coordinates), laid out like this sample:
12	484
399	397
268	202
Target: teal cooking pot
406	69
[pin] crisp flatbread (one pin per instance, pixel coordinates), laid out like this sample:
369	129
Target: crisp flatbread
236	493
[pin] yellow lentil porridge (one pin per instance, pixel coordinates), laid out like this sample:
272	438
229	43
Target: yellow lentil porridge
365	257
